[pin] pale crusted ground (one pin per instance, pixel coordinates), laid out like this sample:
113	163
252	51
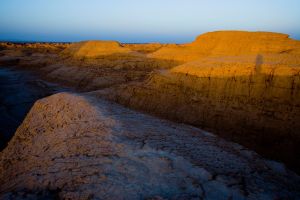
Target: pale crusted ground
71	146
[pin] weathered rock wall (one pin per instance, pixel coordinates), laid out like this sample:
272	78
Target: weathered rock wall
255	104
73	147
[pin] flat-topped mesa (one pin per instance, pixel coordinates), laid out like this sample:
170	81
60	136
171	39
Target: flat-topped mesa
230	43
241	42
94	49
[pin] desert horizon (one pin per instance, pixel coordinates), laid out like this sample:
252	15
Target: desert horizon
190	39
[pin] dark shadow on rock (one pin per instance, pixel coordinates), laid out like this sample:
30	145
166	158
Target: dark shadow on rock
43	194
258	63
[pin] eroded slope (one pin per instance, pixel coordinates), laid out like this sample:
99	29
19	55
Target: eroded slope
94	49
251	95
70	146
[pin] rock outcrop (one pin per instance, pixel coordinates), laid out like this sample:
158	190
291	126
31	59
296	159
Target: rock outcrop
86	65
74	147
95	49
252	98
228	43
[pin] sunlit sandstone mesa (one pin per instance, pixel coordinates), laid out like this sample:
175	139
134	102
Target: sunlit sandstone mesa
94	49
242	85
99	64
229	43
98	48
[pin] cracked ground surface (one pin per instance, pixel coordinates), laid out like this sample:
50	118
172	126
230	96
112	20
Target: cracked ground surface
75	147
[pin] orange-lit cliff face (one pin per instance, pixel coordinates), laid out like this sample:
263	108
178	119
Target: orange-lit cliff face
94	49
229	43
242	85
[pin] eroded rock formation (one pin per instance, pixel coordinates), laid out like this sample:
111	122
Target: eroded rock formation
86	65
251	95
74	147
229	43
94	49
241	85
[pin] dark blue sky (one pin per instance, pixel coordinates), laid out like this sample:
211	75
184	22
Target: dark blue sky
142	20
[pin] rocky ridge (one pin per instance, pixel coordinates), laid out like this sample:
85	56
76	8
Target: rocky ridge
74	147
